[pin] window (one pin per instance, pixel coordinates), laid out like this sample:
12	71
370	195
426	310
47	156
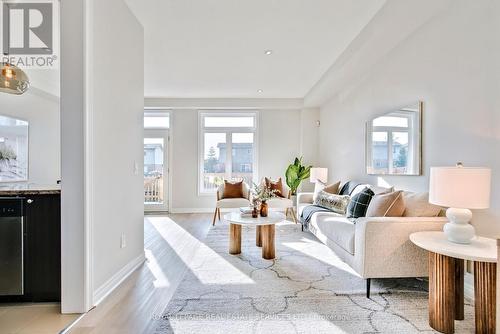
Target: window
156	119
227	148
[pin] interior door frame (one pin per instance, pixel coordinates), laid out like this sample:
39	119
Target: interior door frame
165	134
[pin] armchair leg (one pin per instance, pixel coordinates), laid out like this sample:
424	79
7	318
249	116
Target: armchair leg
215	216
368	282
218	210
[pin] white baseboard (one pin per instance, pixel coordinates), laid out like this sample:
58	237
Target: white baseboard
469	286
111	284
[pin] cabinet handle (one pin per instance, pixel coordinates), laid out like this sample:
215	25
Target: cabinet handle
29	201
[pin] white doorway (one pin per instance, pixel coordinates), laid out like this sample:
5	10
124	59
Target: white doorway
156	161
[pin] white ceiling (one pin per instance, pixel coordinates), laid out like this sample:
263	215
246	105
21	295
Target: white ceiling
215	48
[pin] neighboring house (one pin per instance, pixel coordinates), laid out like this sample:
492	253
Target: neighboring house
380	159
242	161
153	158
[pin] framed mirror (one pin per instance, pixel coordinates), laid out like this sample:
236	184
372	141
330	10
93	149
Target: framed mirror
394	142
13	149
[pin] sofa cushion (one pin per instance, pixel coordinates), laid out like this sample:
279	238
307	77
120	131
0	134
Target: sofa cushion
417	205
333	188
381	190
333	202
352	188
348	187
335	227
386	205
233	203
359	203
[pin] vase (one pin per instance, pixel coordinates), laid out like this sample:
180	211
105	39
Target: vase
264	208
255	212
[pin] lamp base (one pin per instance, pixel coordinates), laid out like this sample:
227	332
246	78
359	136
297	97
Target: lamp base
459	230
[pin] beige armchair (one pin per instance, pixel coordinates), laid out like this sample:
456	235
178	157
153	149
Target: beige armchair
283	203
230	203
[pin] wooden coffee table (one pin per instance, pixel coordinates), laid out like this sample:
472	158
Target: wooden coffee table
264	234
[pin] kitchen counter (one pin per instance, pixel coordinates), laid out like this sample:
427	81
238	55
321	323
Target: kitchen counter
23	189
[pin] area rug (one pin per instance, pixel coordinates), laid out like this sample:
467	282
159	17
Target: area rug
306	289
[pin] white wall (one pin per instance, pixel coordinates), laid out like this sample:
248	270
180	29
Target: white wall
309	141
42	112
74	278
451	62
117	102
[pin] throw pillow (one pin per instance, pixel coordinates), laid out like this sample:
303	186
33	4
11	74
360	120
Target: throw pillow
381	190
333	202
348	187
359	203
386	205
417	205
320	186
233	190
275	185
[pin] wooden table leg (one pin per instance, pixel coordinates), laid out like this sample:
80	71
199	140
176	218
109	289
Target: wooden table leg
267	234
441	293
234	239
459	289
258	236
485	296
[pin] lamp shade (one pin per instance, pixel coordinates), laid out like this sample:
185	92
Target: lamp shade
319	174
460	187
13	80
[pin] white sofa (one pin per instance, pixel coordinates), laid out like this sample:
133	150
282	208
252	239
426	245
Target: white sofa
376	247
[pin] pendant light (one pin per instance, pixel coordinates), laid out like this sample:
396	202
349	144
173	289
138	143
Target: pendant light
13	80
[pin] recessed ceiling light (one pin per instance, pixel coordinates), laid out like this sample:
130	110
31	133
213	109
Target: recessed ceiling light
268	52
260	91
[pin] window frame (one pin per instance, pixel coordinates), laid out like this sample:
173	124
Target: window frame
157	112
228	131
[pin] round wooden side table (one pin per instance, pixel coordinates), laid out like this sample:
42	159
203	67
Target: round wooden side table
264	232
446	280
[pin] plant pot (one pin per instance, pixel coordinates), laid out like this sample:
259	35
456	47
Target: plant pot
264	209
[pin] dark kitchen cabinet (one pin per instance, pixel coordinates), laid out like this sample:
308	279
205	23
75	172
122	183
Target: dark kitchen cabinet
42	248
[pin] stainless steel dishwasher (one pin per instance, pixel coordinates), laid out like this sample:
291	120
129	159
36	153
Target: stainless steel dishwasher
11	246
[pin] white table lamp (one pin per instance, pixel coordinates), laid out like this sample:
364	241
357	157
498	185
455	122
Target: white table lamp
460	189
319	174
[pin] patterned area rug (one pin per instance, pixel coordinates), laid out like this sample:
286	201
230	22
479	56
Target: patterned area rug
306	289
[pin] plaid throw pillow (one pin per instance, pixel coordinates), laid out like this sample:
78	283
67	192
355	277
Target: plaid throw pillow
359	203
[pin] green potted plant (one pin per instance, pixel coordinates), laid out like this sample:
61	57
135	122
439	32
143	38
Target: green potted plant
295	174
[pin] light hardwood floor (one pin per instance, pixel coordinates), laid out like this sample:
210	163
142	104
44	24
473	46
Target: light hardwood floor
33	319
170	242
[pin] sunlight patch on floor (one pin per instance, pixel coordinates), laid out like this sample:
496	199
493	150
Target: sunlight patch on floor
161	281
171	232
